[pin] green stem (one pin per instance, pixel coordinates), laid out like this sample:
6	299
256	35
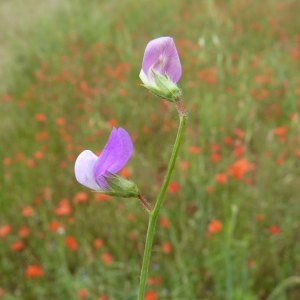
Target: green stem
153	215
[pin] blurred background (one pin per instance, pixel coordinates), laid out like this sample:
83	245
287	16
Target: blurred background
230	225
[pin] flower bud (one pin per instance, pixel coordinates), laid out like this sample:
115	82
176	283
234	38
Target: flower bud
161	68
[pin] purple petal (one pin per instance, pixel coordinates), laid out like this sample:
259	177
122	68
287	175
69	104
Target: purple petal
84	169
115	154
161	56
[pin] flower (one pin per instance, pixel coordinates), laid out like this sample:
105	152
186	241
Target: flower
161	68
99	172
71	242
34	271
214	226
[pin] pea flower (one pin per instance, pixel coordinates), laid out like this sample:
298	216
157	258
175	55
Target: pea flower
161	68
99	172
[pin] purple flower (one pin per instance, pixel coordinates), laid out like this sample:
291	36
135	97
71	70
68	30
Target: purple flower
162	58
161	68
98	172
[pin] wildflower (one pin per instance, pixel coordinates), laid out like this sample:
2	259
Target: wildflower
221	178
23	232
97	243
7	161
63	208
215	157
239	168
55	226
82	293
274	230
71	243
173	187
27	211
106	258
164	222
151	295
194	150
4	230
34	271
99	173
214	226
40	117
17	246
161	68
80	197
166	247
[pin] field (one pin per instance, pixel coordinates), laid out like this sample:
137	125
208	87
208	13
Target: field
229	228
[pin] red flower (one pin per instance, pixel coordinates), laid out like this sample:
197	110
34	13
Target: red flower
194	150
214	226
82	293
173	187
164	222
71	243
273	230
106	258
166	247
40	117
34	271
221	178
97	243
151	295
27	211
17	246
4	230
63	208
23	232
80	197
54	226
239	168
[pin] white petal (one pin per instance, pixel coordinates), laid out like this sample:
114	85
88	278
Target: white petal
144	78
84	169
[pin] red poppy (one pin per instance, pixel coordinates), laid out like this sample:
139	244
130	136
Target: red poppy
166	247
106	258
34	271
17	246
97	243
82	293
214	226
221	178
173	187
4	230
151	295
71	243
63	208
274	230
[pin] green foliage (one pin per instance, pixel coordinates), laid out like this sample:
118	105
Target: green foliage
230	224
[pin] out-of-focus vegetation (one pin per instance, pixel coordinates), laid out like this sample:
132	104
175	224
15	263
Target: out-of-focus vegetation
230	225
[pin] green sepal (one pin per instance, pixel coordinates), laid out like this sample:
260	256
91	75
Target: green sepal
120	187
164	87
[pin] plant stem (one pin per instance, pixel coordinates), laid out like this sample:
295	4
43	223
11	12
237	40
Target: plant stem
153	215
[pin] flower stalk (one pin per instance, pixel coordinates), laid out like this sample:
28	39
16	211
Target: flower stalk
153	215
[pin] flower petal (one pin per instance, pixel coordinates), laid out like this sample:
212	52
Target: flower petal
115	154
84	169
145	79
161	55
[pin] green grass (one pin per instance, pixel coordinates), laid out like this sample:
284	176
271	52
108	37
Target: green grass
77	64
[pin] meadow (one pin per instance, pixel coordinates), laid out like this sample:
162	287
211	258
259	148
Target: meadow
229	228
